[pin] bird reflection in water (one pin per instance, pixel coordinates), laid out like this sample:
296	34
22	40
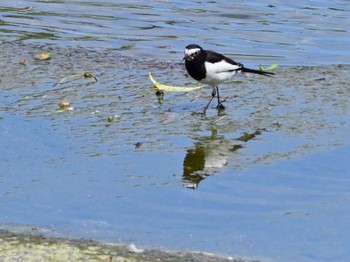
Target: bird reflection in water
209	155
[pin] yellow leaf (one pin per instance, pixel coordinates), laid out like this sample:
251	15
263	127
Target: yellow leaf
160	86
43	56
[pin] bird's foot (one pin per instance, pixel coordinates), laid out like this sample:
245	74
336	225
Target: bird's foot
204	111
220	105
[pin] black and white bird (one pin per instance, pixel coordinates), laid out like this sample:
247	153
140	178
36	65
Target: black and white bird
212	68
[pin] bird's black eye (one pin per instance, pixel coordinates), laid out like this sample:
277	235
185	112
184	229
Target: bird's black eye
194	54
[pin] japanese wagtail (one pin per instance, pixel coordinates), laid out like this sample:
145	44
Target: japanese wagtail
212	68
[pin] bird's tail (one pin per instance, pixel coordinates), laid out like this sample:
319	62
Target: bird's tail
258	72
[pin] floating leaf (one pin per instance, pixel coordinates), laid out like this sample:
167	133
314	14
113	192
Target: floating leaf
22	62
43	56
64	104
110	119
85	75
160	86
270	68
88	75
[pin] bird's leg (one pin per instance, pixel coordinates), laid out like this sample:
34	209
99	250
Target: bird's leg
213	94
220	105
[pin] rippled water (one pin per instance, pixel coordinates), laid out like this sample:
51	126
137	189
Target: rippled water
266	178
298	33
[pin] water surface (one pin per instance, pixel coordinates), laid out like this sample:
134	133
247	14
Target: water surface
266	178
300	33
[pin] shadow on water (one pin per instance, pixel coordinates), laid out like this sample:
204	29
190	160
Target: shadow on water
209	155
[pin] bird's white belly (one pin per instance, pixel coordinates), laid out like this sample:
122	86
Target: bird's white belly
218	78
217	73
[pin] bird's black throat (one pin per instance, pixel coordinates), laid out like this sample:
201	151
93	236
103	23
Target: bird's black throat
196	67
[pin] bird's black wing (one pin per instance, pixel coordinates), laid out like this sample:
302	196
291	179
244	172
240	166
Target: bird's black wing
214	57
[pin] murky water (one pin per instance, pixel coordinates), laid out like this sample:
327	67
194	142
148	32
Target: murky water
266	178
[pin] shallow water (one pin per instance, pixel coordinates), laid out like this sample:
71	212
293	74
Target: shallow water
266	178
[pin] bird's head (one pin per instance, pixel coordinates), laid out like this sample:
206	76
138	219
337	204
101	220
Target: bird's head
192	51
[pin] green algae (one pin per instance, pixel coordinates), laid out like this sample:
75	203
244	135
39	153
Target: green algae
27	247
